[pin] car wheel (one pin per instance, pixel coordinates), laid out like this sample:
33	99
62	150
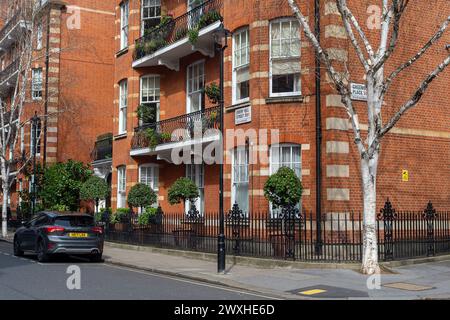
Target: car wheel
17	251
95	257
42	256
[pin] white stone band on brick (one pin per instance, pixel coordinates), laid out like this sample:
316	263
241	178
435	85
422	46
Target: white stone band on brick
338	171
337	147
338	124
338	194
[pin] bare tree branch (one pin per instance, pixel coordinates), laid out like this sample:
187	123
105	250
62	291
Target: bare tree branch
416	97
420	53
346	18
397	9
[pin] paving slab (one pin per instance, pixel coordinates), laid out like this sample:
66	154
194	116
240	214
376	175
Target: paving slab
287	282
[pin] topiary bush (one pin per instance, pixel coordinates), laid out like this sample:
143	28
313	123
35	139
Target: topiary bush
284	188
141	195
94	189
181	190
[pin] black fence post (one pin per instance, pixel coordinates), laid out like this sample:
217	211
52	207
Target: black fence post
388	215
430	215
289	216
236	218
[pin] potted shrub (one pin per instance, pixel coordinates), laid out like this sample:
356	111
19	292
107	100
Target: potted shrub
120	219
141	196
183	189
153	138
212	91
283	189
94	189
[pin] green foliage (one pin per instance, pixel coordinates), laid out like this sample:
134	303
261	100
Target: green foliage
121	215
212	91
153	137
141	195
193	35
183	189
283	188
148	216
165	137
98	216
146	113
94	188
59	207
61	184
208	18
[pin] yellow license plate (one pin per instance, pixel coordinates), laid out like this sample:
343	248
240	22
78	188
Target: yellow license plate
78	235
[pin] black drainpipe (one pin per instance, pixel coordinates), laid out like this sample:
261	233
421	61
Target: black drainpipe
318	135
47	58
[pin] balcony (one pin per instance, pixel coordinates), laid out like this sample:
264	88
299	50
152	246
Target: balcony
101	155
103	148
174	39
11	31
160	138
8	77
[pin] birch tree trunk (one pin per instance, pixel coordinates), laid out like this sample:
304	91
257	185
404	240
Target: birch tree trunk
370	248
5	189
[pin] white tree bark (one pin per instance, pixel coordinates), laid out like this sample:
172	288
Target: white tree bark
377	86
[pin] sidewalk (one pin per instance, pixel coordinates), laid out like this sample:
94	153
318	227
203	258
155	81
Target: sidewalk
420	281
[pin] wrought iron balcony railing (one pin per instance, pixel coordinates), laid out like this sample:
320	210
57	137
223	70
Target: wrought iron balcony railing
6	73
103	148
173	30
178	129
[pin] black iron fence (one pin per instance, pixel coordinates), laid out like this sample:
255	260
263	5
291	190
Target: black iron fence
292	235
181	128
172	30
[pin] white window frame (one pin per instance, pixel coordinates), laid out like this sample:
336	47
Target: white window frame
153	4
271	164
236	67
124	24
156	92
39	36
199	179
36	83
123	106
154	184
121	186
271	59
39	145
233	183
189	84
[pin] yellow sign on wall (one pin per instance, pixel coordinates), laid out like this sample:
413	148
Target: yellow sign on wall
405	175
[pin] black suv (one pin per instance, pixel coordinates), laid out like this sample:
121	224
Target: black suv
60	233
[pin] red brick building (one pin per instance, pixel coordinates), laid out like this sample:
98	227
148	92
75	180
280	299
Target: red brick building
269	75
71	77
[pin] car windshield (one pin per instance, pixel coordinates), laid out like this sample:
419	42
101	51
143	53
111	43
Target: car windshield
74	221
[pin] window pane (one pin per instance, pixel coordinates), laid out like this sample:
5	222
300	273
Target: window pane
283	83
